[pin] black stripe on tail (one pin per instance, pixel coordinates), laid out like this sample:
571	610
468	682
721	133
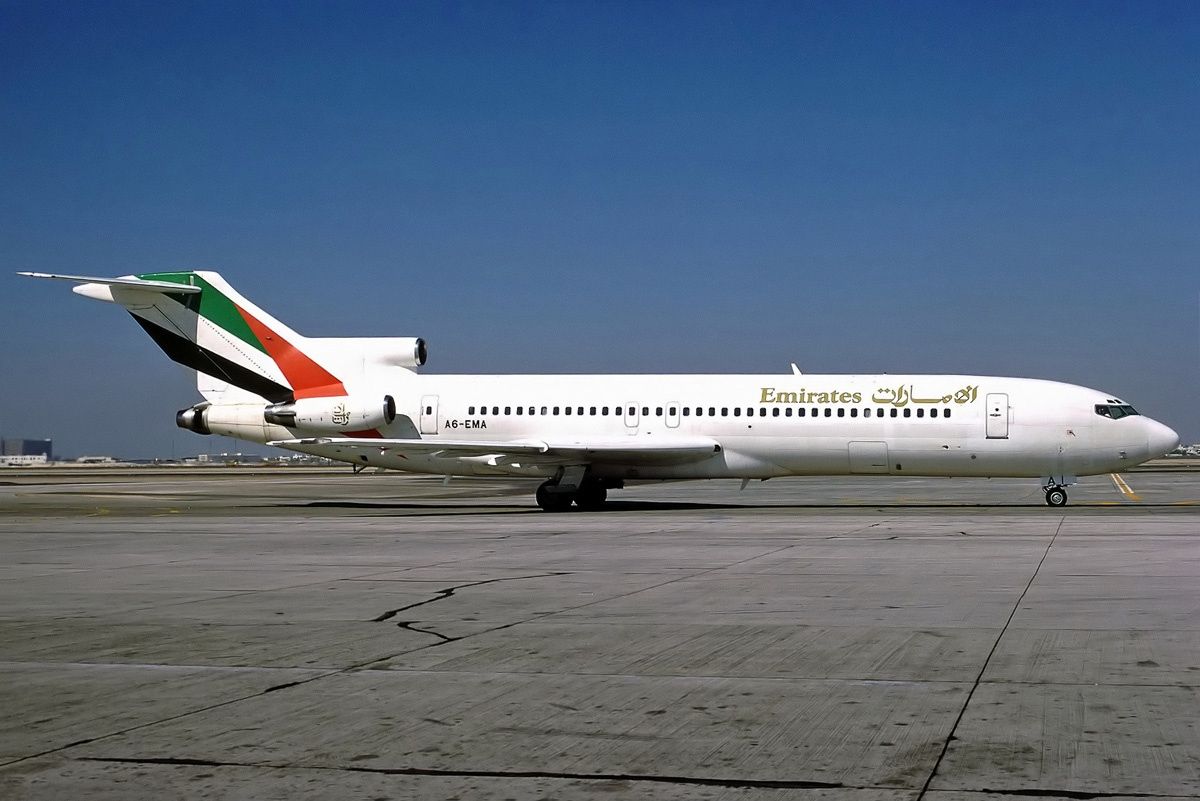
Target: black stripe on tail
191	355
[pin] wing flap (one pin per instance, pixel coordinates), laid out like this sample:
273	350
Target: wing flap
664	451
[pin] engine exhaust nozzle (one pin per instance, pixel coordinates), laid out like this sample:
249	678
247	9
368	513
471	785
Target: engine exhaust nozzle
193	419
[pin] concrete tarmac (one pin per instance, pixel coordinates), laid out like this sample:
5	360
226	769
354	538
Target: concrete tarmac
284	634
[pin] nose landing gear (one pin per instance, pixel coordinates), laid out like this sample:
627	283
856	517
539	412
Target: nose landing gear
1055	487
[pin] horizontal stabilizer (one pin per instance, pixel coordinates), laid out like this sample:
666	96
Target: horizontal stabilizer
127	281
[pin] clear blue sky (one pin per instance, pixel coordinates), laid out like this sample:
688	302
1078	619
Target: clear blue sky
1001	188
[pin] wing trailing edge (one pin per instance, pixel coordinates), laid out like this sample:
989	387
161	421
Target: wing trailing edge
669	451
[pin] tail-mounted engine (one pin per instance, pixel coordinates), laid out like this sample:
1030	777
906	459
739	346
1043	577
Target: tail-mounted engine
338	415
333	415
366	352
194	419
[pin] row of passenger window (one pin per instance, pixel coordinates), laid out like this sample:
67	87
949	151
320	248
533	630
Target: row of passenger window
713	411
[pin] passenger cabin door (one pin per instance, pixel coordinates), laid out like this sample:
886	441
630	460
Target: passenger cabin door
429	414
997	415
631	417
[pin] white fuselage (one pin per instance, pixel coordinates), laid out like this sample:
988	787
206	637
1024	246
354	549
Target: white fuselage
358	400
766	425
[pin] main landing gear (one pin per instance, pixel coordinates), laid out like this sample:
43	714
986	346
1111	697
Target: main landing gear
589	495
1055	495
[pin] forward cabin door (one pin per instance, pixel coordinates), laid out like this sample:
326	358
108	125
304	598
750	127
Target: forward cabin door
868	457
997	415
429	414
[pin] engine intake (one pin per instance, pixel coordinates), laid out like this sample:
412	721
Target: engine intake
332	415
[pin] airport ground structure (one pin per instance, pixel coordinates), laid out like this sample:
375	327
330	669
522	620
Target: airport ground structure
266	633
17	452
23	461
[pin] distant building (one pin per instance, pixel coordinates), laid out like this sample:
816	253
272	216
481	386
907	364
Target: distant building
23	460
27	447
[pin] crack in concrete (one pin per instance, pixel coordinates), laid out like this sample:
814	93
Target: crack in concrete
447	592
367	663
544	615
411	625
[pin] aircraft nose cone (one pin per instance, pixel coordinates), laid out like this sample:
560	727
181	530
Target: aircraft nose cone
1160	439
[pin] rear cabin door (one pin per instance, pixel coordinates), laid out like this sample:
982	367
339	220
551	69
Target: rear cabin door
868	457
997	415
429	414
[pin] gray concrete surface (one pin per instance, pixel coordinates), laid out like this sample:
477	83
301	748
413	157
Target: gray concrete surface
240	634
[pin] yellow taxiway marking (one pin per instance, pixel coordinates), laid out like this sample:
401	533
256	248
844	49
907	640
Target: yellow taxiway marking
1124	488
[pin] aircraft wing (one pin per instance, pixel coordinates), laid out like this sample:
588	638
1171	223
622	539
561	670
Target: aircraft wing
664	451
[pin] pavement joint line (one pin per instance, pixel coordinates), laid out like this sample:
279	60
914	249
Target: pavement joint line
734	676
1084	795
987	660
703	781
701	677
156	666
135	727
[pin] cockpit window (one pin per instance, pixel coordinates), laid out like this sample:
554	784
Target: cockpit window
1115	410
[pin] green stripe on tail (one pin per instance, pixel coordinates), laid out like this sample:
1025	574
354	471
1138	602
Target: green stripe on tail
212	305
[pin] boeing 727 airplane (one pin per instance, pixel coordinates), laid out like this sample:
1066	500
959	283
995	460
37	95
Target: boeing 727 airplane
361	401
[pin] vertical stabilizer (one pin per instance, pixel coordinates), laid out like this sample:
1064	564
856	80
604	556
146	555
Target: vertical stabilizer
242	353
222	334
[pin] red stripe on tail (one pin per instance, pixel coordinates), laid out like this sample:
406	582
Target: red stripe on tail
308	379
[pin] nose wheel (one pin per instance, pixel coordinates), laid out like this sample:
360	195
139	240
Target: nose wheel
1056	496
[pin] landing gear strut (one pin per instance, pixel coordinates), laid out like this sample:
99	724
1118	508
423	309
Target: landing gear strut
1056	495
590	495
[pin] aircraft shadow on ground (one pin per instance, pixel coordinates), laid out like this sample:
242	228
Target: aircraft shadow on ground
617	507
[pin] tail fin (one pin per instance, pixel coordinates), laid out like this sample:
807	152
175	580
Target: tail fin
202	322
